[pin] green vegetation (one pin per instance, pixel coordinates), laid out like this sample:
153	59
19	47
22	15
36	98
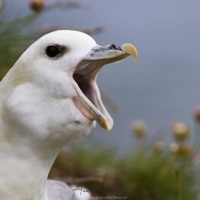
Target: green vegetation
14	40
147	173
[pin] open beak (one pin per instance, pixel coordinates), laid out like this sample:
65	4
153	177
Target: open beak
88	99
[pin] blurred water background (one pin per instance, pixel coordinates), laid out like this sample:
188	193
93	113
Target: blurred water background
164	84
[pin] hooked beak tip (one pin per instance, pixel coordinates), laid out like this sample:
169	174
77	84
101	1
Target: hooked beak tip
130	49
104	123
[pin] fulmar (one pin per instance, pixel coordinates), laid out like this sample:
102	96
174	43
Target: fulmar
47	99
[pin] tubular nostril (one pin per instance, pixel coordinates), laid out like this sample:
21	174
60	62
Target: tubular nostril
112	46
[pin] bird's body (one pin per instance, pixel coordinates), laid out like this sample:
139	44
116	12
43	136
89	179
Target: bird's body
46	103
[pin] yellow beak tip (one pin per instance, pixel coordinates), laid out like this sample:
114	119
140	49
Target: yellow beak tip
104	124
130	49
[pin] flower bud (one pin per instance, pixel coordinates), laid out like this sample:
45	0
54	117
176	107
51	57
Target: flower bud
180	131
181	149
197	114
139	128
174	147
37	5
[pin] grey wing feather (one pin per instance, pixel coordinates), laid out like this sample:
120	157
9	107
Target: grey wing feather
57	190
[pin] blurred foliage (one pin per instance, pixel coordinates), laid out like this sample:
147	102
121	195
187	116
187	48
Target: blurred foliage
152	176
152	171
14	40
145	174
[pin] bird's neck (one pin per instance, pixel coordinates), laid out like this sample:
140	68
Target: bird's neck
34	128
24	171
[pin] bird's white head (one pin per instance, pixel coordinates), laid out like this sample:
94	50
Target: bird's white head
52	92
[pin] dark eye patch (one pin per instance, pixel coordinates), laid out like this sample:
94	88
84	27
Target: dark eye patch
54	51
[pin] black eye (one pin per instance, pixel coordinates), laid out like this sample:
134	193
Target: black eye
53	51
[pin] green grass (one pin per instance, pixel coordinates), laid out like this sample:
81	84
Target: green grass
143	174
